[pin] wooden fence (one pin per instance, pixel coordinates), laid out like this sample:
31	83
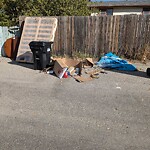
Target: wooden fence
127	35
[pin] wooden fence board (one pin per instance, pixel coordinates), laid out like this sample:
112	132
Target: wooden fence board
117	34
100	40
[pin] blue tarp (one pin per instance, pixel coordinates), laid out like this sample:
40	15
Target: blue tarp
112	61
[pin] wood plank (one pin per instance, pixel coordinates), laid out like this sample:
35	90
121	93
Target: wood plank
93	36
73	36
65	35
120	35
103	34
147	40
138	45
100	37
113	34
34	36
117	33
110	33
106	34
97	37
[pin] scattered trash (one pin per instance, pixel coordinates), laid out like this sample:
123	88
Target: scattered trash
95	71
96	76
65	75
65	67
112	61
103	71
118	87
88	63
82	79
64	64
50	72
59	68
71	70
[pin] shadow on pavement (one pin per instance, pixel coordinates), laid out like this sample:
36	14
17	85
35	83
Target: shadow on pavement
132	73
29	66
26	65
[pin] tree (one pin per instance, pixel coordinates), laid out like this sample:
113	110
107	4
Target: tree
59	8
15	8
62	7
3	17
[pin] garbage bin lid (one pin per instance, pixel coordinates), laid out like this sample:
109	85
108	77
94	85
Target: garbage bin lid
40	43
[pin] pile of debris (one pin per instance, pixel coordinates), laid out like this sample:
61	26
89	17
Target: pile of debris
81	71
64	67
35	47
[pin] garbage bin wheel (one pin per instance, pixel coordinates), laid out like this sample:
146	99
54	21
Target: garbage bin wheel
148	71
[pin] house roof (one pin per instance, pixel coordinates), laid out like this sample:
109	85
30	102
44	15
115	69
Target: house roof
144	3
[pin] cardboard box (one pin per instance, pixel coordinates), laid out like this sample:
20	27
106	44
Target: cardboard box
88	62
62	64
60	68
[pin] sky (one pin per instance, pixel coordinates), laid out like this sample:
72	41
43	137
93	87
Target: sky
104	0
112	0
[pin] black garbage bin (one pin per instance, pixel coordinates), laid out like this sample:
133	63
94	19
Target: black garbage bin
148	71
41	54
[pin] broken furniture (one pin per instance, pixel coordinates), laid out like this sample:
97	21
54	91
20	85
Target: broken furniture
39	29
11	44
10	47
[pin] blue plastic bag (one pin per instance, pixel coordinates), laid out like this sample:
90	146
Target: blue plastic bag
112	61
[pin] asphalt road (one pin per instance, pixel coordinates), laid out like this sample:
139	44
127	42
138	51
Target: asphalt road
41	112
